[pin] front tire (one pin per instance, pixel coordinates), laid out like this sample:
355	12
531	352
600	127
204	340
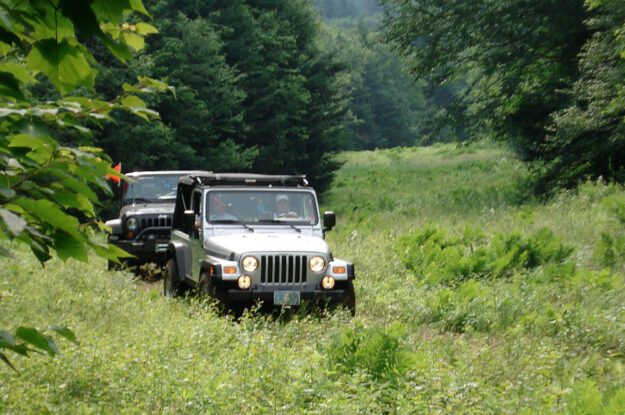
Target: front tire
172	286
349	301
206	286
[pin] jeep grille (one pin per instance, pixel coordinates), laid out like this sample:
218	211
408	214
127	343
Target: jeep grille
150	222
283	269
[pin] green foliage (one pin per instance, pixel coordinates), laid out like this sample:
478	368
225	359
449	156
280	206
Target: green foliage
587	399
47	187
256	91
521	344
437	258
507	60
387	108
586	138
548	82
29	340
337	9
48	190
375	351
610	248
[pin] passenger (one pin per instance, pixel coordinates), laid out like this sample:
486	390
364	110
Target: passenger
217	209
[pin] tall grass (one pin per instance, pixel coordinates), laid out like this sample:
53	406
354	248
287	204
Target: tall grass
545	335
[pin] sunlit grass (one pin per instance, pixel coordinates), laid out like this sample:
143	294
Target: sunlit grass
541	340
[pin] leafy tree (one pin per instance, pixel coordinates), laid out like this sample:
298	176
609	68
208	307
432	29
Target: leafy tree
337	9
201	123
388	108
47	192
588	137
545	76
292	108
512	59
254	91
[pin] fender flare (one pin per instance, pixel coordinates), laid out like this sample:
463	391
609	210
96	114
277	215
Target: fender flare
212	268
181	253
115	225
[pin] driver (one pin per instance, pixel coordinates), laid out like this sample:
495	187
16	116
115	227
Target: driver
217	209
282	207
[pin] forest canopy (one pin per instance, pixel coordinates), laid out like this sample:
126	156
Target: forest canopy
547	77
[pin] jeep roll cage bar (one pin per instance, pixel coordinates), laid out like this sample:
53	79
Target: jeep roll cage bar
244	179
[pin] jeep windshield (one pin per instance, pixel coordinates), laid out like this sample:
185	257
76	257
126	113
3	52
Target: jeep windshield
265	207
151	189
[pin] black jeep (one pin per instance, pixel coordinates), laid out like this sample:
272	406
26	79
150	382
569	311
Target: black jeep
144	223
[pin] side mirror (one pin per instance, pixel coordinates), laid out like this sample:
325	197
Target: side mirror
329	220
189	220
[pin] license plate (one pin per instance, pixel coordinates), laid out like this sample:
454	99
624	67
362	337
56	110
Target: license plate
160	248
286	297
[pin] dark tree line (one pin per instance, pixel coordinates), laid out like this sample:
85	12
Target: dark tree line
265	87
254	91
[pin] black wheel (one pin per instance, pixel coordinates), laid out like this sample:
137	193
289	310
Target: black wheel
206	286
350	298
172	286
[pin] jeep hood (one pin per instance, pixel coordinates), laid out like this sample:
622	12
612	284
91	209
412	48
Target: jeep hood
148	209
225	245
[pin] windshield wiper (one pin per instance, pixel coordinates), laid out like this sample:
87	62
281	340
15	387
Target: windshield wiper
233	222
281	222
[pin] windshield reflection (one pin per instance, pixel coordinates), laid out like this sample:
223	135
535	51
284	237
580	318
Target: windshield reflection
262	207
151	189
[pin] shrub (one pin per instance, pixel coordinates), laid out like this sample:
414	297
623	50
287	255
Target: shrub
437	258
610	250
376	351
587	399
475	306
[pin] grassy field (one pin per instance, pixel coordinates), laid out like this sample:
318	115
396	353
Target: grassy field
472	298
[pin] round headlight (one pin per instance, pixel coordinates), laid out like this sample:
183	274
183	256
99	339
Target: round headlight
317	264
132	223
244	282
249	264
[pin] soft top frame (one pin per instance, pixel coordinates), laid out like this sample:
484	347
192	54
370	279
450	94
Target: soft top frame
244	179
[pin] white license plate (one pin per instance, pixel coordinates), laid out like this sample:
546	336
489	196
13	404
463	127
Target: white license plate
160	248
286	298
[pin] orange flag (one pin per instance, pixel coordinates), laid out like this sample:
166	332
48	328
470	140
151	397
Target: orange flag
113	178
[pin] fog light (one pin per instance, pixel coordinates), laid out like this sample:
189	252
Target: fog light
327	282
244	282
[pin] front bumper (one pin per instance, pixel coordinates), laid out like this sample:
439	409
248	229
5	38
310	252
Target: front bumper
249	296
150	250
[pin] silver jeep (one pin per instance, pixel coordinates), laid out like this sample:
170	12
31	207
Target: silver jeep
240	238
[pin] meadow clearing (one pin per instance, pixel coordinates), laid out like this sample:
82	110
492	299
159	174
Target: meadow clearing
473	297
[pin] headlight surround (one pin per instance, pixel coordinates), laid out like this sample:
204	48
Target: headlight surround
132	224
249	264
317	264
